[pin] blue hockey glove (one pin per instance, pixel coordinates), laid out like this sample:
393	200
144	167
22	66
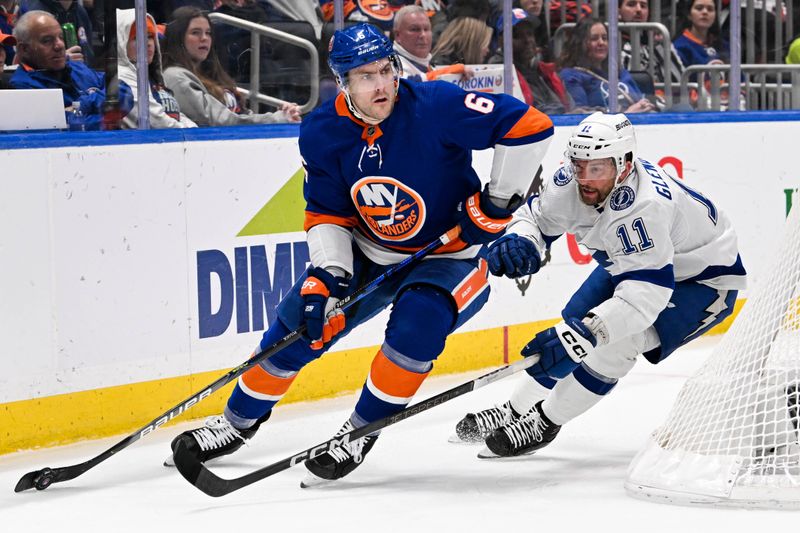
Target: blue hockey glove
513	256
561	348
481	221
321	291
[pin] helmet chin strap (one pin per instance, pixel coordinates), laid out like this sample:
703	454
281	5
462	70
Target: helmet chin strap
352	106
358	114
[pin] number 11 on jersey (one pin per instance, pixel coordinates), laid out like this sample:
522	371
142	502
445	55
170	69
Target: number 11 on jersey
629	247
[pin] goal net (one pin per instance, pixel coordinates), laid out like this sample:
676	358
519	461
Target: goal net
731	438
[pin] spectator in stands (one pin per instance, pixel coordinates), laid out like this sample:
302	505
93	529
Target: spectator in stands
164	109
412	42
537	78
8	15
465	40
639	11
698	39
68	12
535	11
205	92
584	68
7	41
43	64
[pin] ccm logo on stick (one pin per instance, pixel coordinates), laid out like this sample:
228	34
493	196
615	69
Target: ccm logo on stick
319	450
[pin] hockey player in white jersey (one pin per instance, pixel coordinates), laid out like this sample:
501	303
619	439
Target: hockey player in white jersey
668	271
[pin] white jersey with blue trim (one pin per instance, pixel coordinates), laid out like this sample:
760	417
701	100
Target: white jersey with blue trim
652	232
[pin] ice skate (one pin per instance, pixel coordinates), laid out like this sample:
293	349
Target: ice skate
475	427
337	463
522	436
215	439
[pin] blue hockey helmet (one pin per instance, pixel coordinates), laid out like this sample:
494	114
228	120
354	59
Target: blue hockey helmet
358	45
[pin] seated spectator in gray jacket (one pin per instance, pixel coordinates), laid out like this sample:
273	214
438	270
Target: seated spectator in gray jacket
164	110
205	92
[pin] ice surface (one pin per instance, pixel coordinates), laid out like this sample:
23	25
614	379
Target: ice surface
412	481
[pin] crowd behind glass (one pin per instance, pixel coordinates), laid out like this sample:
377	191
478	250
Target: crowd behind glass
203	69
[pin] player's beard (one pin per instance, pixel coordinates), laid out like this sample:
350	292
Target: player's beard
594	195
590	195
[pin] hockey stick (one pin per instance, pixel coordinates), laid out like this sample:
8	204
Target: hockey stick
41	479
201	477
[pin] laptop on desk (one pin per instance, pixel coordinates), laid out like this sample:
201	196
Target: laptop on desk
32	109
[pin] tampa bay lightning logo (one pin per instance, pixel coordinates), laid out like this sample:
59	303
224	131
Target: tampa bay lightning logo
622	198
561	177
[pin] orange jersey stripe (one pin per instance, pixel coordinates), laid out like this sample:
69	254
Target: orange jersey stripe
472	286
259	380
458	68
313	219
392	380
531	123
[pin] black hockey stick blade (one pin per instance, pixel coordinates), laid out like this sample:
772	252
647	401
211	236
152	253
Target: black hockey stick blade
41	479
204	479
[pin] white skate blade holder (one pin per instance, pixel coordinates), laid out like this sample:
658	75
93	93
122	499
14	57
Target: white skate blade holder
311	481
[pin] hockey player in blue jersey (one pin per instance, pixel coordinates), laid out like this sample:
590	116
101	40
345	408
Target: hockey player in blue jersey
388	170
668	271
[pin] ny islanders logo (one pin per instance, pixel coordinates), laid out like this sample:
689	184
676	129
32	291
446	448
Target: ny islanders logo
392	210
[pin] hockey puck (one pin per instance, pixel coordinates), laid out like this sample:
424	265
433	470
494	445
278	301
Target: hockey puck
44	479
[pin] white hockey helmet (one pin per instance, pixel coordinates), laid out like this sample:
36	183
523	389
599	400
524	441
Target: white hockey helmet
600	136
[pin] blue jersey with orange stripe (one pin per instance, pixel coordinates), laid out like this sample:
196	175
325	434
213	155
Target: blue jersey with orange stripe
399	183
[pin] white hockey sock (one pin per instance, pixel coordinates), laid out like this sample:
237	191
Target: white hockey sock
567	400
527	393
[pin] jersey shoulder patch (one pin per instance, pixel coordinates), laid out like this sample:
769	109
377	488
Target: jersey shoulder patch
622	198
561	177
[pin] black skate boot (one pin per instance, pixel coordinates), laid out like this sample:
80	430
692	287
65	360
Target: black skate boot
215	439
337	463
522	436
475	427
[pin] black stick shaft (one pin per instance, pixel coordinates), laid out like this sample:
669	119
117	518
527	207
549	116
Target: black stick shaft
201	477
41	479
